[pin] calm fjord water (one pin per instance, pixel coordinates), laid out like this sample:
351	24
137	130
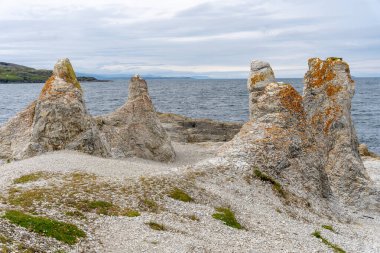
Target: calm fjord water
225	100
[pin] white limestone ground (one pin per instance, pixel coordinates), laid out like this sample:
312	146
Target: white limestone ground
270	226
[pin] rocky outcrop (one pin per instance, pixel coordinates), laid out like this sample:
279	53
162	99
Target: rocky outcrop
276	140
189	130
260	76
307	143
364	151
61	120
57	120
134	129
327	100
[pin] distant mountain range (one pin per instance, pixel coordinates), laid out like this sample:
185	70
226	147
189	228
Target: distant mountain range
14	73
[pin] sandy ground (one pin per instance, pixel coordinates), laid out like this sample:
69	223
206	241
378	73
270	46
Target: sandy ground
114	169
270	227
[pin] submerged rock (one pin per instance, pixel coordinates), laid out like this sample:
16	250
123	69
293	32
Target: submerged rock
134	129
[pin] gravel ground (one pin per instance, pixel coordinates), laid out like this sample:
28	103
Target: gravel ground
269	224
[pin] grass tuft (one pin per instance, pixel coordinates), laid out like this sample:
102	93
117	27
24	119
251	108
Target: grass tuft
227	216
150	205
130	213
75	213
29	178
180	195
335	247
328	227
275	185
156	226
64	232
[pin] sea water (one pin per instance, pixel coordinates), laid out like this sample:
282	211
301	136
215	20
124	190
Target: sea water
224	99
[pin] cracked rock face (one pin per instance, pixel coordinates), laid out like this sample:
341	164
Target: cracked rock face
134	129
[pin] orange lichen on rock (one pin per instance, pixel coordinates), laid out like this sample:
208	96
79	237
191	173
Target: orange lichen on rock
65	71
257	78
321	72
331	89
291	99
332	114
47	87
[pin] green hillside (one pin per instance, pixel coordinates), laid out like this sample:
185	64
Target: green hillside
13	73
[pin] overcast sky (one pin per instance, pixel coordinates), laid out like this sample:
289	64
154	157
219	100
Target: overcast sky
190	37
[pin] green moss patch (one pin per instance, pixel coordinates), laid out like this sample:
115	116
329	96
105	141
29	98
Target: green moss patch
180	195
150	205
275	185
336	248
75	213
227	216
156	226
130	213
328	227
65	232
30	178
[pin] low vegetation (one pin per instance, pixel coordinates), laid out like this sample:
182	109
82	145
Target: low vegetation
65	232
150	205
156	226
227	216
328	227
275	185
180	195
336	248
30	178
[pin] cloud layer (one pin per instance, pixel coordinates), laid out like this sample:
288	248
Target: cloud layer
190	37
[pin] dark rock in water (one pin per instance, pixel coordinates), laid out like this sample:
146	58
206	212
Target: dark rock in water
184	129
364	151
134	129
90	79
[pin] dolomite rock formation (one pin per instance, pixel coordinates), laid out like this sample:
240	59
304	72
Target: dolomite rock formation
307	143
260	76
134	129
327	101
276	139
57	120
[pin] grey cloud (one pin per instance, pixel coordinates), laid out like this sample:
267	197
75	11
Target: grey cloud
290	32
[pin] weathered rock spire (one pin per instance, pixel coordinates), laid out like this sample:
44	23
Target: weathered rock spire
328	91
134	129
260	76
